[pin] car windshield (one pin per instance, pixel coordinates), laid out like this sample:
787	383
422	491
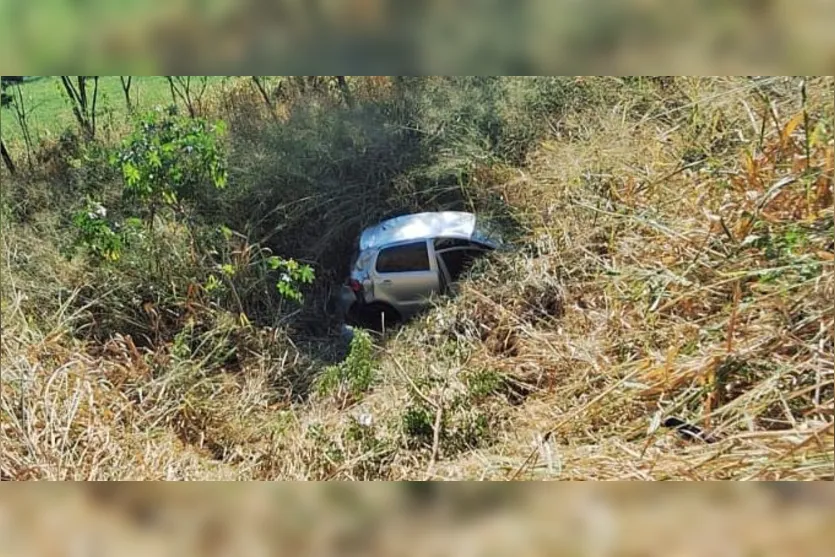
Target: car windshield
486	232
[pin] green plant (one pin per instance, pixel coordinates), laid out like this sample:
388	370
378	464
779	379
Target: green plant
483	383
467	430
370	453
242	268
325	445
164	162
96	234
292	274
355	373
417	423
170	161
168	158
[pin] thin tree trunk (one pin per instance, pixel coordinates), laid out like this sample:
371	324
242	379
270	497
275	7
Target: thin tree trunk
171	86
267	100
186	86
346	91
23	121
204	84
82	92
126	83
182	88
7	159
80	106
92	115
75	102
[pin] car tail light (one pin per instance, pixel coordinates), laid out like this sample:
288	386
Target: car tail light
355	285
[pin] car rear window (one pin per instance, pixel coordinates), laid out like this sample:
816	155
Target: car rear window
403	259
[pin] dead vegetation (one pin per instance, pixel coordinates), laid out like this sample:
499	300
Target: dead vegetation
676	260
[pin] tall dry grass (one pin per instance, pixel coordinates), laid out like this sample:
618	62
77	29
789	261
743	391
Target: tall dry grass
655	286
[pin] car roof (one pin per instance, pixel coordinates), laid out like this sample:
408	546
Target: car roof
419	226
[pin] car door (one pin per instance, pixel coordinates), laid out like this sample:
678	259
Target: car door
456	257
405	276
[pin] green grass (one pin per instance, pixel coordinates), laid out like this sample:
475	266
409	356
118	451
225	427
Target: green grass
50	113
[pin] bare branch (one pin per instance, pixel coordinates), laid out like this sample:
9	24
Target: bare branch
7	159
77	94
346	91
172	88
181	87
75	101
267	100
22	115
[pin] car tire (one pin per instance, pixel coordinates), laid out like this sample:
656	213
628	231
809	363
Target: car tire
376	316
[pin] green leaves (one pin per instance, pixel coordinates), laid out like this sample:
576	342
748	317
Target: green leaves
167	161
292	274
228	269
286	288
154	159
356	373
96	234
131	174
273	262
168	158
212	284
306	274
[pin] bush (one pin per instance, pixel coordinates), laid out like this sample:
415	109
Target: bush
168	159
354	375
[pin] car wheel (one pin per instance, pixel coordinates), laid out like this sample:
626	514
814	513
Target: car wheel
378	316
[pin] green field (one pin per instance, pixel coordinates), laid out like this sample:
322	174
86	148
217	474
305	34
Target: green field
49	111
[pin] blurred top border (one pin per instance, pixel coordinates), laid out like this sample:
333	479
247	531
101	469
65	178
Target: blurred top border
428	37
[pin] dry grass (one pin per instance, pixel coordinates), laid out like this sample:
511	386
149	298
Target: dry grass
646	296
678	260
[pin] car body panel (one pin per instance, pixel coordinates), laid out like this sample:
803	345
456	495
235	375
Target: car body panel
406	291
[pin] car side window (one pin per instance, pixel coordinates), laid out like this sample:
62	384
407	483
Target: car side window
403	259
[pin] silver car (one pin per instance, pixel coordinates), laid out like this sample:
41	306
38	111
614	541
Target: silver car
401	262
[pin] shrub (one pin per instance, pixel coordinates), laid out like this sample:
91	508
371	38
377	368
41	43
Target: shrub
355	374
169	158
96	234
417	423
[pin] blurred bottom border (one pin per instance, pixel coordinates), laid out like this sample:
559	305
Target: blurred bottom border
617	519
